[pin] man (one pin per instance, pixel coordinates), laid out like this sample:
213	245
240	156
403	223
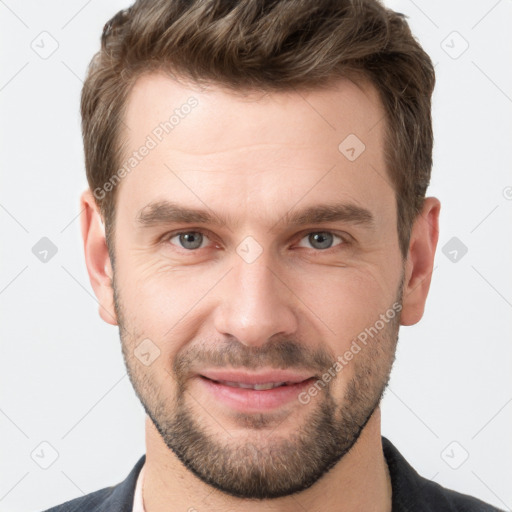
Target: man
257	226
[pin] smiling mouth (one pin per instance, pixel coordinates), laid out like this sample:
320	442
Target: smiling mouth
256	387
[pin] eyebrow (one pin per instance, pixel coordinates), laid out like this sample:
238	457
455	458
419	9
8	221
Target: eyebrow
168	212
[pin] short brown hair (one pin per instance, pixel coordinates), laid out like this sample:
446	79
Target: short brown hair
267	45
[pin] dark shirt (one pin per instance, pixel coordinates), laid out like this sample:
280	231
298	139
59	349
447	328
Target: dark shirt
411	492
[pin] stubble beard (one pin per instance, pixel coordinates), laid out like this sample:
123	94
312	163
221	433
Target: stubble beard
264	464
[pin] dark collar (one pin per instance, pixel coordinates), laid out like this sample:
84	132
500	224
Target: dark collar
121	498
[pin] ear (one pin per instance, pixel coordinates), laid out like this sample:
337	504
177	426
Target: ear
97	258
420	261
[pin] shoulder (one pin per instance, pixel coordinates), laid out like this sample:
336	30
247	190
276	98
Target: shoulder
116	498
438	498
414	493
92	502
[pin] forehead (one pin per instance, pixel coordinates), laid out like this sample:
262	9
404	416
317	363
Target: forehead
259	149
343	106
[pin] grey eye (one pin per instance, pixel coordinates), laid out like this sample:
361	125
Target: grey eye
190	240
322	239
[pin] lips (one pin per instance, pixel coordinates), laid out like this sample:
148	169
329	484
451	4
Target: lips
257	381
254	392
257	387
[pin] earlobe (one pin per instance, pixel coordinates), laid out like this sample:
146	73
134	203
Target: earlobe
97	258
420	261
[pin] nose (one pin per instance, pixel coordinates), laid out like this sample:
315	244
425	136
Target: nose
256	304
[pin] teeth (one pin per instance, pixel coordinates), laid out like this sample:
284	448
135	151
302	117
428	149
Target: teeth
257	387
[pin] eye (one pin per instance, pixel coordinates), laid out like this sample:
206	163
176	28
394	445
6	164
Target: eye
322	240
189	240
194	240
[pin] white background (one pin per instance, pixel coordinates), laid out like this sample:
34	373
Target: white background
62	375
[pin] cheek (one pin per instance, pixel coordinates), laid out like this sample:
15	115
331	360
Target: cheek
163	305
155	291
346	300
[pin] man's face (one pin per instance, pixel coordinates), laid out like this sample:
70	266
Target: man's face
258	289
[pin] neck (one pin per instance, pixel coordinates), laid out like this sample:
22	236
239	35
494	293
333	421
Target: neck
360	481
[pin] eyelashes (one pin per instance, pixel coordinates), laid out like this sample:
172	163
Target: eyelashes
191	241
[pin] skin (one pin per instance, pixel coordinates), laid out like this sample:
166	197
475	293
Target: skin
252	160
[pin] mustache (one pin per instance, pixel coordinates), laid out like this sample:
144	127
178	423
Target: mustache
230	352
